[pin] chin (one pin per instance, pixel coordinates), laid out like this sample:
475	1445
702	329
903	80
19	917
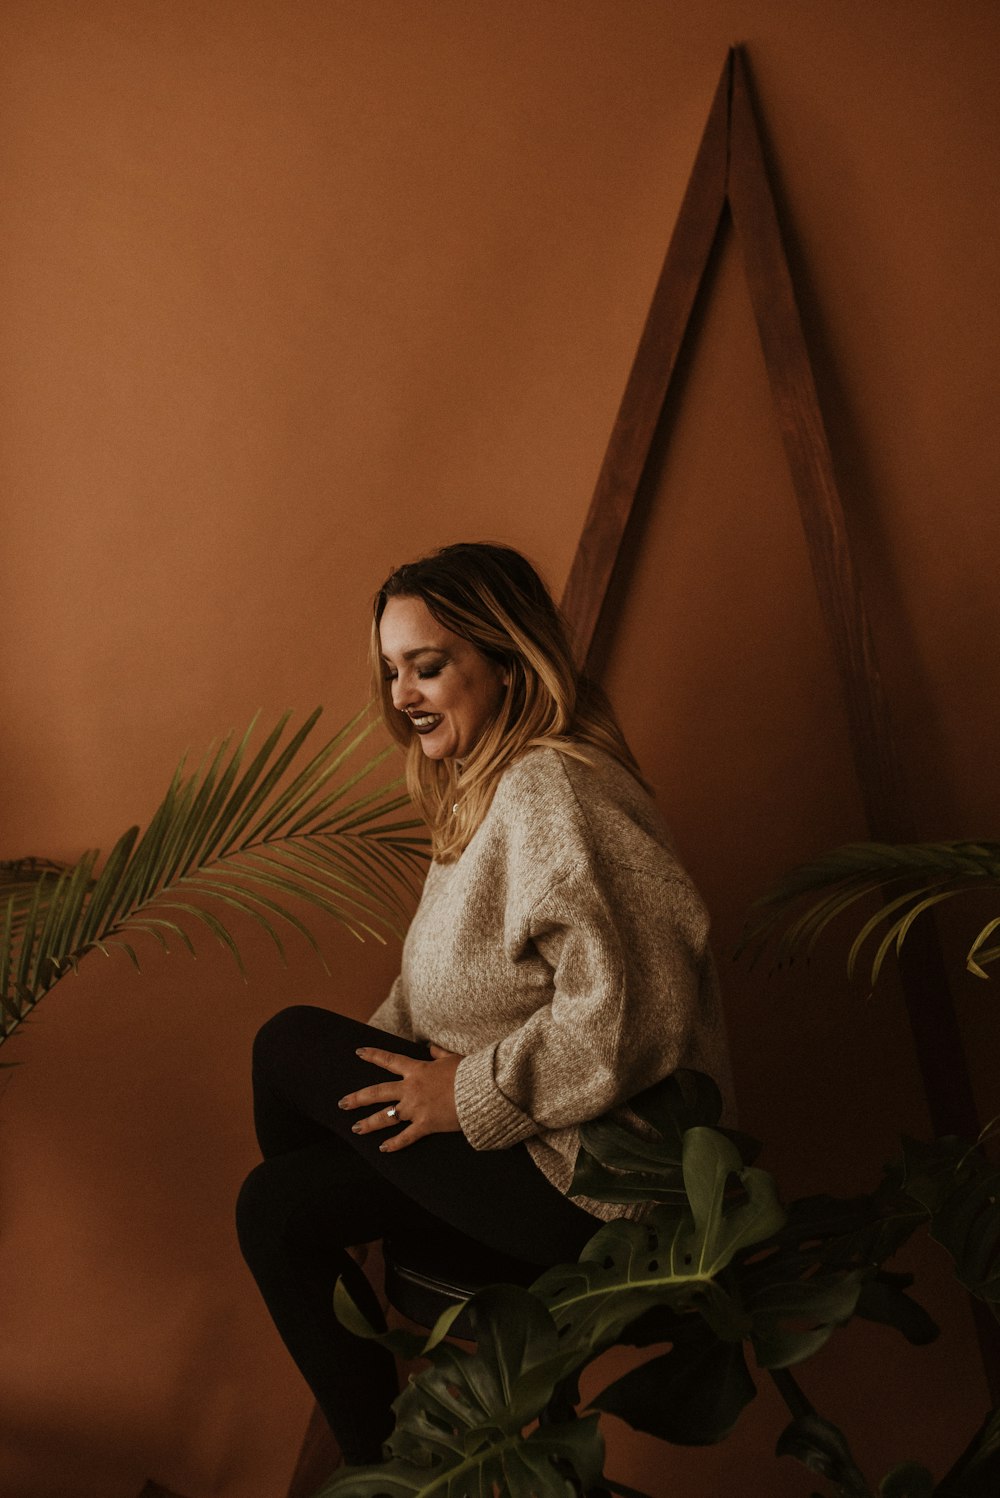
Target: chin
433	751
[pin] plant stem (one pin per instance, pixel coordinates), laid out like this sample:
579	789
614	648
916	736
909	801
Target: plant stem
790	1392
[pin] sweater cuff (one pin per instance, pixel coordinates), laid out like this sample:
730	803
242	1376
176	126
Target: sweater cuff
489	1120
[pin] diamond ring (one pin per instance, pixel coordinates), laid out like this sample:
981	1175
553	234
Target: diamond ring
391	1112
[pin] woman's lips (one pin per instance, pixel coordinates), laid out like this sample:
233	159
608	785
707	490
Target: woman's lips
426	722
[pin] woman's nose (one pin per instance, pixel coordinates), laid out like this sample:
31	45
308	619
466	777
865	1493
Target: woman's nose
405	693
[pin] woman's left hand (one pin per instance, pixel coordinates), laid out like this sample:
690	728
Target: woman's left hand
423	1096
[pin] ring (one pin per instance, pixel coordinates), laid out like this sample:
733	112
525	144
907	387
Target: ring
391	1112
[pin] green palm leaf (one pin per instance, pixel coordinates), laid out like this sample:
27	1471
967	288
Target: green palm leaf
240	837
19	881
913	877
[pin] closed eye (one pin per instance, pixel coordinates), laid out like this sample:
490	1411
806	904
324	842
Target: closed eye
423	675
423	671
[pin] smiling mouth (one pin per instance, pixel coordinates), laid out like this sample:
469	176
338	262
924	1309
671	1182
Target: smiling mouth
426	722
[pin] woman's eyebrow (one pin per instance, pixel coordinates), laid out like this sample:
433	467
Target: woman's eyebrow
411	655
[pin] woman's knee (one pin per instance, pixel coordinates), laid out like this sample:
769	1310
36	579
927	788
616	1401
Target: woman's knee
289	1026
316	1200
255	1213
300	1025
303	1044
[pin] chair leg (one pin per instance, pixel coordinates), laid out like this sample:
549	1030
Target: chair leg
318	1458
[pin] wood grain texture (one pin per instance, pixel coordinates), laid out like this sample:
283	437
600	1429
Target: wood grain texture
649	379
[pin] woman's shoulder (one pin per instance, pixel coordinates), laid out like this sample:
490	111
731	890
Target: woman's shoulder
556	775
588	795
573	771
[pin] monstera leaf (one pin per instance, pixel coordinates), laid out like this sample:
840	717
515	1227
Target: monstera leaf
907	1480
850	1232
618	1164
791	1321
467	1412
241	836
460	1424
673	1256
692	1395
821	1447
959	1187
883	1298
717	1269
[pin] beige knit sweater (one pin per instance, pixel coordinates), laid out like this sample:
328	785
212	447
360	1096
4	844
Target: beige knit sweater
565	957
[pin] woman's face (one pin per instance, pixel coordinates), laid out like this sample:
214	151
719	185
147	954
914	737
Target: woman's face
447	688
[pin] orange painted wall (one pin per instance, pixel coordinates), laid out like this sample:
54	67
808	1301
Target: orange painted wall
292	293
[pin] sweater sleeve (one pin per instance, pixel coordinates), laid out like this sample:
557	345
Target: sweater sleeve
626	954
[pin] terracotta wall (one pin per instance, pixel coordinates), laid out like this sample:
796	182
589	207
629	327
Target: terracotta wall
294	292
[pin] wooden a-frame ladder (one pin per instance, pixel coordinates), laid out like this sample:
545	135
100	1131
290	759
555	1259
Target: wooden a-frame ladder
730	170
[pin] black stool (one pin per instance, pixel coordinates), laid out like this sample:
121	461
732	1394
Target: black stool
424	1279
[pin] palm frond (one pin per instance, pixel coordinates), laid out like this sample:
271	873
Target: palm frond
18	876
914	878
19	880
249	838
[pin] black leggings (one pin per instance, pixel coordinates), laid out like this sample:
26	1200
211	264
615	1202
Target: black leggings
322	1189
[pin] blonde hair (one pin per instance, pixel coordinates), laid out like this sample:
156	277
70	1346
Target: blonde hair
494	598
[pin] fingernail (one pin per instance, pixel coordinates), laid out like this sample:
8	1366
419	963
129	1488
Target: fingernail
383	1149
355	1128
360	1051
342	1103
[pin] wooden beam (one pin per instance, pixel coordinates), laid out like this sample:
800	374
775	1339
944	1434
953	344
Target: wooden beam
652	371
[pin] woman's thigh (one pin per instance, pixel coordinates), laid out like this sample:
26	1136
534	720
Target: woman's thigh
304	1062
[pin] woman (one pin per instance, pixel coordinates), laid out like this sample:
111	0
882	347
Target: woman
557	965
